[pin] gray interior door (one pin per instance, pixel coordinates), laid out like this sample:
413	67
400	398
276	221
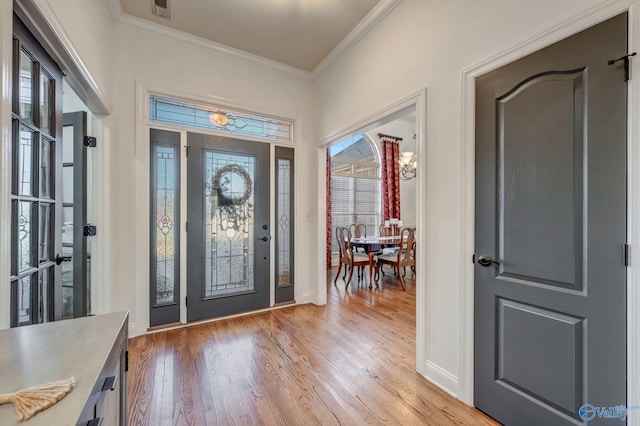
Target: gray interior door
228	235
550	278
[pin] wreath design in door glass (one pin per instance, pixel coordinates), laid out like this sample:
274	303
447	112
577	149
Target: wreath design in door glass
233	188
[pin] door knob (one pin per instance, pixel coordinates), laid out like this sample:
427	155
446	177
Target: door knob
485	261
60	259
266	238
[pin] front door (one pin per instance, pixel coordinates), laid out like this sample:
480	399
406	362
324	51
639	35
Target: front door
228	235
550	276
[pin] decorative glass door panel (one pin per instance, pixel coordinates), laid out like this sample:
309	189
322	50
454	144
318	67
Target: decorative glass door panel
284	291
228	200
165	228
228	236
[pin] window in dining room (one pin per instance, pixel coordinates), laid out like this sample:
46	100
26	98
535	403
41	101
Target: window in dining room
355	185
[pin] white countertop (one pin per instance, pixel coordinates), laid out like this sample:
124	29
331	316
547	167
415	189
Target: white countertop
44	353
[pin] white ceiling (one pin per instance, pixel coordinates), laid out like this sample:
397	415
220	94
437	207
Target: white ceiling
299	33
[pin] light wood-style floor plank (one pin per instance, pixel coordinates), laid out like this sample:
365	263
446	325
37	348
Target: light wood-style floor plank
351	362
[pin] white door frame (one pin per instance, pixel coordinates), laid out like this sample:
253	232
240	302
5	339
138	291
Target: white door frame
552	35
383	116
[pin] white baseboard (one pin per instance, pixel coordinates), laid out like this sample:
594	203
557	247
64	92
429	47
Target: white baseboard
307	297
441	378
132	330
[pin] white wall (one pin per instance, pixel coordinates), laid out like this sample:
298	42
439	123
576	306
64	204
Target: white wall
89	27
433	41
146	61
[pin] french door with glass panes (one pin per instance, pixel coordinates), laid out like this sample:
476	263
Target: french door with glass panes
35	188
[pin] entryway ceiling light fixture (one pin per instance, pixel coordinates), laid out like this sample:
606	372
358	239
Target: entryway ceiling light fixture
219	119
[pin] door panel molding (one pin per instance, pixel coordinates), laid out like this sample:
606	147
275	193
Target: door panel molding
527	360
562	30
567	221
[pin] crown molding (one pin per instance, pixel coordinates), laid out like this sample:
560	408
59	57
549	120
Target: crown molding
161	31
367	24
116	10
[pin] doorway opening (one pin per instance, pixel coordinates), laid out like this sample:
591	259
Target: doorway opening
395	118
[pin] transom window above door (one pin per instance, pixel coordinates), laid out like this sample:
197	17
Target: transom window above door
218	119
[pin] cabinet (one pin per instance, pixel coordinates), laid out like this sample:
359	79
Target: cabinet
92	349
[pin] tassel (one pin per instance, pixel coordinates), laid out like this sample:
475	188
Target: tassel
31	401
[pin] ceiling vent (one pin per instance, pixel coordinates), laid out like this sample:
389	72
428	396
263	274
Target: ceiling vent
161	8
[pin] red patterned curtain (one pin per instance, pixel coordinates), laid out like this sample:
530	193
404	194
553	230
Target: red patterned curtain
390	179
328	209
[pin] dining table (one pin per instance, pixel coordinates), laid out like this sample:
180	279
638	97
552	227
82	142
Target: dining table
375	241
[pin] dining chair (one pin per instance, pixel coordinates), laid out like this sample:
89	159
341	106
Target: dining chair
358	230
384	231
348	256
405	256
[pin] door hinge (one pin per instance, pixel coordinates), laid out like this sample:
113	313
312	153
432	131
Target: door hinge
473	258
186	226
627	255
126	360
624	58
187	148
185	301
89	141
90	230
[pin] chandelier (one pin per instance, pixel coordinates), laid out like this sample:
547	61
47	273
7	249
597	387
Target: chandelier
408	163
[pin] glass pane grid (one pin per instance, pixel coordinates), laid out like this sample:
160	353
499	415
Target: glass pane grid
33	192
25	235
46	103
25	88
192	115
46	168
24	302
25	161
229	219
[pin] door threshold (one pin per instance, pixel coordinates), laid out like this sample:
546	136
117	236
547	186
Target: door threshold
177	325
163	326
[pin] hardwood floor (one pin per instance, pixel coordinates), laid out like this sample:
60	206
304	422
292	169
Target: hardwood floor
351	362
